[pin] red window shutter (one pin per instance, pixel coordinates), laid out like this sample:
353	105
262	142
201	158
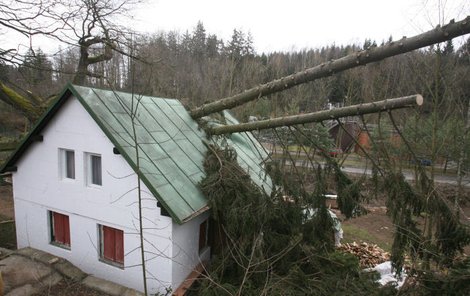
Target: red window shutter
61	228
113	244
119	242
58	228
108	241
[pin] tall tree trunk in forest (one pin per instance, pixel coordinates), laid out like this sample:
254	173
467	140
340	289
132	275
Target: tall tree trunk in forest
86	60
439	34
403	102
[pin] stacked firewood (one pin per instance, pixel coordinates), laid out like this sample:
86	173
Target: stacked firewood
369	255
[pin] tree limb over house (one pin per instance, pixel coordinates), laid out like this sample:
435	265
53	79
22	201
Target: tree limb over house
374	107
439	34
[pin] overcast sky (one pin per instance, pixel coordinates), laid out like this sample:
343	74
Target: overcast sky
280	25
283	25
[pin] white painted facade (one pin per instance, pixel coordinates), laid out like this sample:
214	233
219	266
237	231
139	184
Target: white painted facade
39	187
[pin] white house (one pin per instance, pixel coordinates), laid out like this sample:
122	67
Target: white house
76	191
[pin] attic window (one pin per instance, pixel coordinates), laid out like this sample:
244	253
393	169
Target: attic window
67	163
94	175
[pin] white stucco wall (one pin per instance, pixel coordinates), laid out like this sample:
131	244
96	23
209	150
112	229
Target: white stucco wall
186	249
39	188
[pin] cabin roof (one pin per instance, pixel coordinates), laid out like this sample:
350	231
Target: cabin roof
170	145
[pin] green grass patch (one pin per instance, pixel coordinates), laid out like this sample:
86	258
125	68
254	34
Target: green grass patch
352	233
7	233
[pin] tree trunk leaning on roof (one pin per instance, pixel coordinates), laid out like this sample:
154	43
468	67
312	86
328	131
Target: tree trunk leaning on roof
385	105
439	34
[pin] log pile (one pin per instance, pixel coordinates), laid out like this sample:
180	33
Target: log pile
369	255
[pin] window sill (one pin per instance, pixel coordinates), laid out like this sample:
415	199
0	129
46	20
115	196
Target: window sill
94	186
60	245
67	180
112	263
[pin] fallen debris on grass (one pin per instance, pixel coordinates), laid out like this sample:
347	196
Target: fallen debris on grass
369	255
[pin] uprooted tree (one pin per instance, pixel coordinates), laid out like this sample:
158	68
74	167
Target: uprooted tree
270	245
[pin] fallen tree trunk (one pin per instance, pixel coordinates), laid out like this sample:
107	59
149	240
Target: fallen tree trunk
20	103
403	102
439	34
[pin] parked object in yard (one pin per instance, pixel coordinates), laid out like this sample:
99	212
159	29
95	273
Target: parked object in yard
422	161
335	152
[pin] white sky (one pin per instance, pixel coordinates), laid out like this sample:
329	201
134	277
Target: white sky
283	25
280	25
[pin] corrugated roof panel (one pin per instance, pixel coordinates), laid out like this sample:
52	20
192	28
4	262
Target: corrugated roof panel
197	134
159	118
170	198
175	175
170	142
194	154
180	156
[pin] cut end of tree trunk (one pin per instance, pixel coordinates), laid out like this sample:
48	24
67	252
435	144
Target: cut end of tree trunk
354	110
419	100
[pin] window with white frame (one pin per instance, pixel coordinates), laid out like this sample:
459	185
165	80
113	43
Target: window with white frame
93	169
111	245
67	163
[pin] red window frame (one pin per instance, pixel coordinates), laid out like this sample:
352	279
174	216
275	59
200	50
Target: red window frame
60	229
112	244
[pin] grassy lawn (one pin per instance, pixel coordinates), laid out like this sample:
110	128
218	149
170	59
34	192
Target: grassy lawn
353	233
7	233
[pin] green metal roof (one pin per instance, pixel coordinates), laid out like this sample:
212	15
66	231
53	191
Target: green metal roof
170	145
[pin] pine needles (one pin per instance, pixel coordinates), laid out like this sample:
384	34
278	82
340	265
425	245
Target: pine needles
269	244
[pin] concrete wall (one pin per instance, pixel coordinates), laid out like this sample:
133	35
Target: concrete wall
186	249
38	187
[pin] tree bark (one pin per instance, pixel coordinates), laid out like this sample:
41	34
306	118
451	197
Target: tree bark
86	60
403	102
20	103
439	34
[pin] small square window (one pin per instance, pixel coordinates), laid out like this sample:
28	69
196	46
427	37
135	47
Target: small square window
94	174
67	163
111	245
60	229
203	235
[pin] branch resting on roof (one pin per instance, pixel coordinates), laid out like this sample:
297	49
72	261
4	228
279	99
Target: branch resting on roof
403	102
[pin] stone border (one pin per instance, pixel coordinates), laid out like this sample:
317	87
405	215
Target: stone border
65	269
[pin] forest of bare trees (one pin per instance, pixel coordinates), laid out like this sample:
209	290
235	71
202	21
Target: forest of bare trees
198	67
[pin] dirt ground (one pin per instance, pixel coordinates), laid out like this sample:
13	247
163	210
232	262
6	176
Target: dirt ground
65	287
375	227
